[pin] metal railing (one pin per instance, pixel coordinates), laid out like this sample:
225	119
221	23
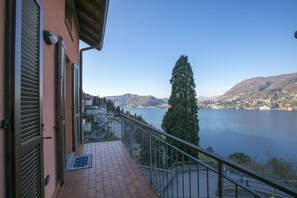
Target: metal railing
177	168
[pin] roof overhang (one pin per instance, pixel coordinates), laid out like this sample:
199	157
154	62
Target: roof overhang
91	18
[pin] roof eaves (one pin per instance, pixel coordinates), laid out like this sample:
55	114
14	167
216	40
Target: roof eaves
90	33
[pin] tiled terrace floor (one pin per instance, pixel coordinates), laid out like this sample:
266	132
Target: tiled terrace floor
114	174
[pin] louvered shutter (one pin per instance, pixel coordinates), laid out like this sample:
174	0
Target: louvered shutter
76	111
28	101
61	95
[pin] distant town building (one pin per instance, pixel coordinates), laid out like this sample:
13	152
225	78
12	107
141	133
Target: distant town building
264	108
95	110
92	111
103	109
89	102
87	126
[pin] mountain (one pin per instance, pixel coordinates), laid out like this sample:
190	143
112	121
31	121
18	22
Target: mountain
265	87
133	100
273	92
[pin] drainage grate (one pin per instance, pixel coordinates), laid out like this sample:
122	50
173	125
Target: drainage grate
80	162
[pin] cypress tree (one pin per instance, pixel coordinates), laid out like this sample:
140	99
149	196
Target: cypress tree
181	119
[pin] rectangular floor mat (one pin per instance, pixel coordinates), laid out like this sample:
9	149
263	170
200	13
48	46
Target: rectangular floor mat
80	162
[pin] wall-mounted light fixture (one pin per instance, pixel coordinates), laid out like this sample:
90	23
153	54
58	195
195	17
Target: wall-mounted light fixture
49	38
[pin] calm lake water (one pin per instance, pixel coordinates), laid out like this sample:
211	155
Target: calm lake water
253	132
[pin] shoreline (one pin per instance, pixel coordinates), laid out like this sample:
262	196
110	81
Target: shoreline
216	109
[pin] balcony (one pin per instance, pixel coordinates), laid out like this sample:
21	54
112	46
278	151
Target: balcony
114	174
162	165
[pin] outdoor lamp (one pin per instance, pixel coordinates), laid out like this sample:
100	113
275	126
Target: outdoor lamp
295	35
49	38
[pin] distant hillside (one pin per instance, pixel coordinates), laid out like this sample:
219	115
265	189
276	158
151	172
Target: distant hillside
264	87
133	100
273	92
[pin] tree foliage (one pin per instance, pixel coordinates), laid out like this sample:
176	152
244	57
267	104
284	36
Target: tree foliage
240	158
279	168
210	149
97	101
181	119
110	106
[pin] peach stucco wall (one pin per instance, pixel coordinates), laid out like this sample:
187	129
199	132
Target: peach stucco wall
2	157
53	20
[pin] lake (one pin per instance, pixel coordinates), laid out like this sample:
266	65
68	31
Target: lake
254	132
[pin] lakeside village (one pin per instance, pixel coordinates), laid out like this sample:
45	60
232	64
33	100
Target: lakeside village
99	120
285	103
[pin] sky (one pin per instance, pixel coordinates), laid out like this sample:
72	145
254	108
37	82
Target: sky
226	41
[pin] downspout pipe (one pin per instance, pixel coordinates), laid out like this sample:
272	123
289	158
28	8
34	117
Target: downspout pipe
81	84
97	47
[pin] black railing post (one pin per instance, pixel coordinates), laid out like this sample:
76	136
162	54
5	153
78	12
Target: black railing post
151	163
190	189
207	182
122	127
220	179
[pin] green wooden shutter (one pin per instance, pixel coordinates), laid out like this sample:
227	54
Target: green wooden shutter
28	100
61	95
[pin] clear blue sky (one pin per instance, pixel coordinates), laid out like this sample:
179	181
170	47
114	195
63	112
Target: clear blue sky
226	41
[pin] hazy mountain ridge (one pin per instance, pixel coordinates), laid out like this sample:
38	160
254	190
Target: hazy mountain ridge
261	87
273	92
133	100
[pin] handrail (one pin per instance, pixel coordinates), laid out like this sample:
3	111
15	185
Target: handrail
249	172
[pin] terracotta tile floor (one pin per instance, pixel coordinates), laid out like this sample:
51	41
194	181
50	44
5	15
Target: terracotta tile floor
114	174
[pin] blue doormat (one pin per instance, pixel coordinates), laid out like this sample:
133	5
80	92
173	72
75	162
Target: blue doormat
80	162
